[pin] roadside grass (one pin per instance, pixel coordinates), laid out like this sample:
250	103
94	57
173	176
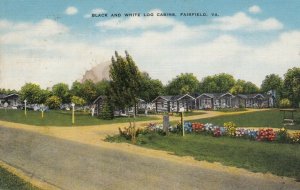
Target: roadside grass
10	181
61	118
278	159
263	119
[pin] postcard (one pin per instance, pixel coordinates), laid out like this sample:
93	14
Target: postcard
150	94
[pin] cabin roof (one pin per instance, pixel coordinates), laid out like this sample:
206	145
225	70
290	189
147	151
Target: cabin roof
166	98
99	97
173	98
214	95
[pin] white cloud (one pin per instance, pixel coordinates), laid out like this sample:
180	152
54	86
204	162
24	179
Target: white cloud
95	11
172	53
4	24
28	33
71	10
270	24
241	21
132	23
46	52
254	9
238	21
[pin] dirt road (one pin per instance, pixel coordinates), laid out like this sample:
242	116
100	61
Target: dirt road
78	158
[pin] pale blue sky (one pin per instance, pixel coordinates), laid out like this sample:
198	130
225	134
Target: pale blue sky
54	41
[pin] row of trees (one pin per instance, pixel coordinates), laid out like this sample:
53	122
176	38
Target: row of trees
61	93
220	83
285	88
7	91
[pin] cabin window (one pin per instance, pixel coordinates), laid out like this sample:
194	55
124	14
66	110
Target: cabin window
207	101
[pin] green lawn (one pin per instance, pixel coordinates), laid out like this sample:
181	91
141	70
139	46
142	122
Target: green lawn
272	118
10	181
279	159
61	118
231	109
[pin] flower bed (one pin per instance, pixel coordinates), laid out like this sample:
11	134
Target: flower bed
230	129
266	135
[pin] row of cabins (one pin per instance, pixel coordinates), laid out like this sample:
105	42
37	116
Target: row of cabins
174	103
196	102
212	101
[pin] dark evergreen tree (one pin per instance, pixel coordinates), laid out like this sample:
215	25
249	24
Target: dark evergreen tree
107	111
125	81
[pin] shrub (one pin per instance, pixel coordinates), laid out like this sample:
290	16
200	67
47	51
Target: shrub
266	135
285	103
151	112
130	133
295	137
241	106
231	128
142	111
107	112
198	127
252	134
282	136
188	127
78	101
240	132
53	102
217	132
155	128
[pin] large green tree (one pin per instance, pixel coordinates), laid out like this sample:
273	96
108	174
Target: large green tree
33	94
101	87
125	81
244	87
291	86
250	88
183	84
62	91
217	83
89	92
272	82
86	90
77	100
238	87
76	89
125	85
150	88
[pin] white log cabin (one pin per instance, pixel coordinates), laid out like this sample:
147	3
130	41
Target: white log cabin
11	99
214	100
174	103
